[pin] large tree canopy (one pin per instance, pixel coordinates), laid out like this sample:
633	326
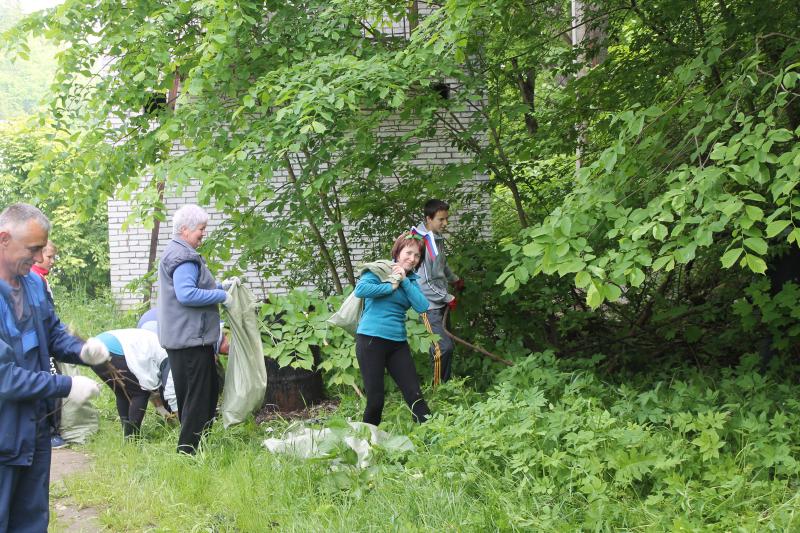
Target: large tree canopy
643	156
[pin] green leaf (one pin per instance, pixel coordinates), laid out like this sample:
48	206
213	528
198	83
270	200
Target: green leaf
659	232
565	225
571	267
756	264
773	228
662	261
582	279
636	277
754	213
611	292
781	135
757	244
594	296
730	257
608	159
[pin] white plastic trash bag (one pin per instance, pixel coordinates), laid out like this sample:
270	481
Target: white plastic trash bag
332	442
349	314
78	421
246	375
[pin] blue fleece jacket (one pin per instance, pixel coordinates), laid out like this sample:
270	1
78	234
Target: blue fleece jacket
385	308
185	280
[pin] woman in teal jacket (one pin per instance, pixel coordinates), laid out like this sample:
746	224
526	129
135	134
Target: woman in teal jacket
381	335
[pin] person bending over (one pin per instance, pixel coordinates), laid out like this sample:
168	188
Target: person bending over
142	367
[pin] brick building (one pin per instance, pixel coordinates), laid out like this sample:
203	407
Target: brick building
130	247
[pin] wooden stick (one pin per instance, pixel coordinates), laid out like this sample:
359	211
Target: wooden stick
478	349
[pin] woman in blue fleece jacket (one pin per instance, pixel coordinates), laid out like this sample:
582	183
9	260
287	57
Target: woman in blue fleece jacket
381	335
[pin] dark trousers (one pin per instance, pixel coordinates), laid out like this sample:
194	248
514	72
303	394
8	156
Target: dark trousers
197	390
131	398
441	352
24	490
375	354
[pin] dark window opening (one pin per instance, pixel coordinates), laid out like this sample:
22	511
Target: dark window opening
155	104
442	89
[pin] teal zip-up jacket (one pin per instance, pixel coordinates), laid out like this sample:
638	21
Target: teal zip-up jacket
385	308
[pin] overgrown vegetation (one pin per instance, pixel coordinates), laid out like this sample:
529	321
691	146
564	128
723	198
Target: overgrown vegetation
82	264
643	167
643	157
24	81
551	445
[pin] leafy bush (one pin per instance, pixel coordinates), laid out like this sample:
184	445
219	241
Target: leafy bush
296	322
82	241
673	451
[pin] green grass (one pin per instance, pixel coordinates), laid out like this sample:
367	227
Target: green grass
553	446
86	316
236	485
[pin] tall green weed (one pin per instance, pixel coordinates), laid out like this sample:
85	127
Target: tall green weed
689	451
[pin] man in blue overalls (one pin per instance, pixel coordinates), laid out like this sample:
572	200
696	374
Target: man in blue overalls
30	332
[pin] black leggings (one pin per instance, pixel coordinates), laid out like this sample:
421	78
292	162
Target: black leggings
131	397
375	354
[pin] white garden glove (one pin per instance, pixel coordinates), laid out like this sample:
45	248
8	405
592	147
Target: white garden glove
83	389
94	352
231	282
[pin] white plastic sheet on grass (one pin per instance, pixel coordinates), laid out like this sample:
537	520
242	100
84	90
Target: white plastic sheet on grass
337	443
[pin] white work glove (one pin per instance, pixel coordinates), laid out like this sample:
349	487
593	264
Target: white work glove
231	282
83	389
94	352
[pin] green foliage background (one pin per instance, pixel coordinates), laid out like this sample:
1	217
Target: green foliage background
643	194
82	263
24	81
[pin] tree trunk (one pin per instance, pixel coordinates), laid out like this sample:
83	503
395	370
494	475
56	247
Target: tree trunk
151	256
323	248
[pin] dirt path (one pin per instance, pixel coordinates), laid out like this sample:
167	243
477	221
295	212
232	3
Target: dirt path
69	518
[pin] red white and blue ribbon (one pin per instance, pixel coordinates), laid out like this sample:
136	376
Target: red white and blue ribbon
430	242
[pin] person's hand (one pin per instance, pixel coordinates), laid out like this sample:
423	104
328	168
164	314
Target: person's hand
83	389
452	304
458	285
399	271
231	282
94	352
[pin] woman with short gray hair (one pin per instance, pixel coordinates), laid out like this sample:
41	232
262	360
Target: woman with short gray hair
188	318
190	216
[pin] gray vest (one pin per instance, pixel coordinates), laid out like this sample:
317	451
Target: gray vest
181	326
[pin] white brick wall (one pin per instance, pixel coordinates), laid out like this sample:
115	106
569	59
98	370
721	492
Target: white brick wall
129	249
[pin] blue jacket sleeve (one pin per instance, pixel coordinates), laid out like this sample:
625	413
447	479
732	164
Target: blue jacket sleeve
185	281
370	286
418	301
18	384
